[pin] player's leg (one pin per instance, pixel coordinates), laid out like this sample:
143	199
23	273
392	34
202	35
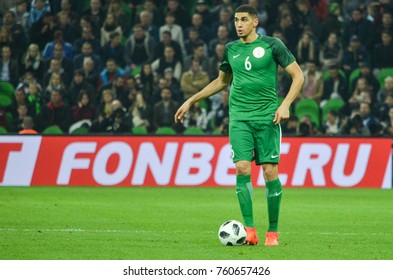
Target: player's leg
268	154
244	196
242	152
273	197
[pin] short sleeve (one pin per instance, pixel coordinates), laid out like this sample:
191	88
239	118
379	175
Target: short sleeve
282	55
225	66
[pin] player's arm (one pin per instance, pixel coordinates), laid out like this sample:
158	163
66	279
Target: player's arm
296	73
221	82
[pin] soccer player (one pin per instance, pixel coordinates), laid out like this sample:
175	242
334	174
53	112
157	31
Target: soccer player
249	65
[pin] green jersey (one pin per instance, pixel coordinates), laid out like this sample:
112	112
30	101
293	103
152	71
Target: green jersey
254	65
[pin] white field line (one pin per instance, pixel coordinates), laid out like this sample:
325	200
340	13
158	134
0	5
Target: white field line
164	231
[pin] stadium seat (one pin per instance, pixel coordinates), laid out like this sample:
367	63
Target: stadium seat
308	107
5	101
354	74
193	130
383	74
139	131
82	130
217	131
3	130
7	89
332	104
165	130
54	129
326	74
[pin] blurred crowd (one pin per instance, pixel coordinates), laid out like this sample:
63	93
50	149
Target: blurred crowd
111	66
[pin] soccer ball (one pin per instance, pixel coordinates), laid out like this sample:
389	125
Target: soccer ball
232	233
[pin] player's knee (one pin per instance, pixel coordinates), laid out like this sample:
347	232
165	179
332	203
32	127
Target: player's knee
270	171
243	168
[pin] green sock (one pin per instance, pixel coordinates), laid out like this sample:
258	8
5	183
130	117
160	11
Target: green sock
273	196
244	195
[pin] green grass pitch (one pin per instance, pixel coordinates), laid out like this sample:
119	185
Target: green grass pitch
94	223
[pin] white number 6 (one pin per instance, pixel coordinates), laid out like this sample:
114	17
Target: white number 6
247	64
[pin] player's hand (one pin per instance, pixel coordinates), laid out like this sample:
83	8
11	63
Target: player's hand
281	115
181	112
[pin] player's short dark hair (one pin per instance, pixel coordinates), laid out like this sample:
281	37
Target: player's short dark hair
247	9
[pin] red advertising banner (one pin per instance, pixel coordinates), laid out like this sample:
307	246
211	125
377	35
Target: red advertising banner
187	161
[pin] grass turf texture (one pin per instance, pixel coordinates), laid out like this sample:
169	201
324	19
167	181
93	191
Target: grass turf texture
182	223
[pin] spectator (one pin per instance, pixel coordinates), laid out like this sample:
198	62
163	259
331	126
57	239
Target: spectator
307	17
114	49
332	124
116	9
72	16
6	39
361	28
56	83
58	38
91	75
181	15
95	12
83	110
202	8
222	37
197	117
306	50
193	80
38	9
193	39
28	126
334	23
365	72
290	126
384	108
17	123
21	14
369	119
225	19
58	54
34	99
164	111
140	112
175	33
199	53
18	36
41	32
56	112
33	62
146	21
9	67
313	83
197	23
105	106
167	61
306	127
335	86
167	41
386	90
110	73
215	61
87	36
78	85
139	48
331	52
147	80
354	55
55	67
222	112
383	52
87	52
174	85
110	26
388	124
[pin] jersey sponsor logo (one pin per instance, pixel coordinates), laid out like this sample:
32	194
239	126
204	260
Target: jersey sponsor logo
236	55
258	52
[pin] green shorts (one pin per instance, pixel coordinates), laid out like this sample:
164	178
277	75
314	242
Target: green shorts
255	140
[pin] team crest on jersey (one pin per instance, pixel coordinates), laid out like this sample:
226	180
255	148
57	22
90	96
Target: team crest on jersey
258	52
